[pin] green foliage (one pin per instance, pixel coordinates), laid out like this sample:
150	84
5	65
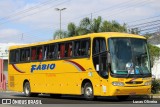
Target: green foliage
87	25
155	86
60	34
154	52
134	31
72	30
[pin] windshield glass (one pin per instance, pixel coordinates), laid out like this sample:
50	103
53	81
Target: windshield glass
129	56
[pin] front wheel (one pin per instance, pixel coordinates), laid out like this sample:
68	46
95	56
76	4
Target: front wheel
88	91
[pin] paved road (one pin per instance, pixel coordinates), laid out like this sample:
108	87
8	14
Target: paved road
65	99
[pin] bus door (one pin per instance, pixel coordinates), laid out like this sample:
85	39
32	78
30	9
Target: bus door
100	62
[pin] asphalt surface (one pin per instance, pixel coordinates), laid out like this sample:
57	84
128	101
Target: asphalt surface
69	101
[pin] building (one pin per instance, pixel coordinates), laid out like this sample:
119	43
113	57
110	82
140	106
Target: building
156	67
4	55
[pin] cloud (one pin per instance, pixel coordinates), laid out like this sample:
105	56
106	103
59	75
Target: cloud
45	19
9	35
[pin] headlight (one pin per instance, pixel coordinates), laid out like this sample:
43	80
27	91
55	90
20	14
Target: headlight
116	83
148	83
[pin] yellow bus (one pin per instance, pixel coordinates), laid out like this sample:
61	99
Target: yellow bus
97	64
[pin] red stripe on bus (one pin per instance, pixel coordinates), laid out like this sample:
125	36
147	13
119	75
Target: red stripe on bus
78	65
17	69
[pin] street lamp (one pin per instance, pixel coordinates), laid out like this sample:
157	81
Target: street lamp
57	9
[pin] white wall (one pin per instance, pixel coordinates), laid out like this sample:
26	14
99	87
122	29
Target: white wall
156	69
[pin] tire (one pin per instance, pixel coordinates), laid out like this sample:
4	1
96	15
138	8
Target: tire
123	98
88	91
27	90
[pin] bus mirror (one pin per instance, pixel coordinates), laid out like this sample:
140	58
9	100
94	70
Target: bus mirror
97	67
109	57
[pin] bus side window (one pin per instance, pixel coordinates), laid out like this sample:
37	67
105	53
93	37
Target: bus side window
77	48
85	48
22	54
17	56
27	53
12	56
61	51
39	53
68	49
52	52
46	54
33	54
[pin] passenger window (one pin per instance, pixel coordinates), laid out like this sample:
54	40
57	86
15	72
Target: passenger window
61	51
52	52
68	49
81	48
22	54
39	53
33	53
16	55
27	54
12	56
85	48
77	48
46	53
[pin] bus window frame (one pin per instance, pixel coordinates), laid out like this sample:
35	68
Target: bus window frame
11	62
83	39
57	46
25	61
36	59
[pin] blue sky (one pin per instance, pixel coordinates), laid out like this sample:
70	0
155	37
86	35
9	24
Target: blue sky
27	21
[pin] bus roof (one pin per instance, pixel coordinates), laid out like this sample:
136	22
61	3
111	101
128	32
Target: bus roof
101	34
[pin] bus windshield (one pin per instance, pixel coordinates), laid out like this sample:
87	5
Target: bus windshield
129	56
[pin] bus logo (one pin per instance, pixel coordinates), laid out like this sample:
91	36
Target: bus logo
42	67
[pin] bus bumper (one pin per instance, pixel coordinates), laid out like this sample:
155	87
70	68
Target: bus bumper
139	90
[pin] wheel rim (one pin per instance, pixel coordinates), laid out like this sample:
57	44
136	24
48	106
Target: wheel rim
27	89
89	91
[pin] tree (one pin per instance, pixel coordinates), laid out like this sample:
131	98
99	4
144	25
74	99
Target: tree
134	31
84	26
87	25
60	34
95	24
113	26
72	30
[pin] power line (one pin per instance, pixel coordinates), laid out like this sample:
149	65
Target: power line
26	10
144	23
33	13
144	19
73	19
149	28
126	8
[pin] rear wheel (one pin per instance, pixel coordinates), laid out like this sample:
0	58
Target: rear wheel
88	91
27	90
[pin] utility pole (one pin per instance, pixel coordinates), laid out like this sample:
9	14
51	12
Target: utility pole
60	10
